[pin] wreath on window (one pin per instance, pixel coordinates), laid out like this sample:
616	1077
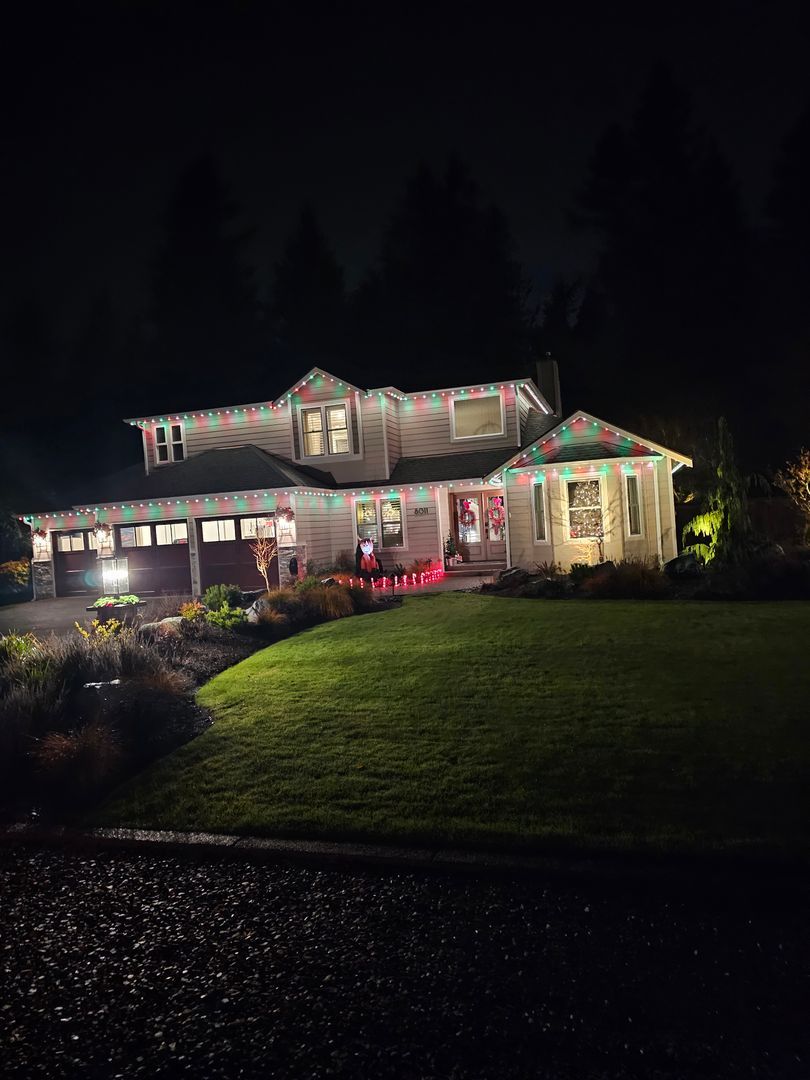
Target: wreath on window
285	513
496	514
467	515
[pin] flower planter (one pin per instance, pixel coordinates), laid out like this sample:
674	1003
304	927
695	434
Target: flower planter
125	613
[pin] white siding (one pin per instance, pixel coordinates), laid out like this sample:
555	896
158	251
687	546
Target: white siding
526	552
424	425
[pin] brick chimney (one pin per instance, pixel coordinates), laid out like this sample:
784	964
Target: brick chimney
548	382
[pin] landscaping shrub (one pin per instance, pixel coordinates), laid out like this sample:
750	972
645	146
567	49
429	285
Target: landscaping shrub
192	611
275	623
549	570
362	599
165	607
78	761
629	579
581	571
289	602
307	583
419	566
767	576
329	602
217	595
16	647
108	628
548	588
15	574
227	617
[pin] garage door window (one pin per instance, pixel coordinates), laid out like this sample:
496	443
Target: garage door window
70	542
136	536
217	531
176	533
250	528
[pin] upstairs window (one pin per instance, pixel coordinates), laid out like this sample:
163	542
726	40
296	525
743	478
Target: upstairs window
325	430
170	443
477	417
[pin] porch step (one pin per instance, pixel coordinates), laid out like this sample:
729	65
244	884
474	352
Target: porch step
472	569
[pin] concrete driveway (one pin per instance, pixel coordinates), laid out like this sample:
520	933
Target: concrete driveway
45	616
58	616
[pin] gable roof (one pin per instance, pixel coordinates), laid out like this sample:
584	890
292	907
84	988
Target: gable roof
237	468
310	375
593	430
537	425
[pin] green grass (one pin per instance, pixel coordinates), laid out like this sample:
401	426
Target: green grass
486	721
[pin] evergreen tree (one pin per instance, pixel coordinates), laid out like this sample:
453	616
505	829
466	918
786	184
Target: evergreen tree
673	263
308	293
205	318
447	301
786	286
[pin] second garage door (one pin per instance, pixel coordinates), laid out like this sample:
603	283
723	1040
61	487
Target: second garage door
157	557
225	555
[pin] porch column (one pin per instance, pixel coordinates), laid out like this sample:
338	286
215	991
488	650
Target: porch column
442	525
194	557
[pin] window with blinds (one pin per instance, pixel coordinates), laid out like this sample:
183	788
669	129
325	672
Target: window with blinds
476	418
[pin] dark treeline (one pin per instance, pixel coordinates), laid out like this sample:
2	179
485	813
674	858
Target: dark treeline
690	311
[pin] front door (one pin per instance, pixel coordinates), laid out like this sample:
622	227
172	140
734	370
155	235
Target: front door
480	527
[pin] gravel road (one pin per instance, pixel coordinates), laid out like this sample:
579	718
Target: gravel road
125	966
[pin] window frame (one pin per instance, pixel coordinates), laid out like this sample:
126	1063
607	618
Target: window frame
545	537
135	526
171	525
456	398
218	522
606	525
69	534
628	476
170	443
376	500
256	517
322	406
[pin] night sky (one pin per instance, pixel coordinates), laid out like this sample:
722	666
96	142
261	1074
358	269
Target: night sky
336	106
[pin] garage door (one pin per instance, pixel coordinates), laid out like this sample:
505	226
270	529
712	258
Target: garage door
225	555
157	557
75	563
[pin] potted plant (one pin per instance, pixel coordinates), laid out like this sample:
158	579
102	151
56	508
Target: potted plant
449	551
124	608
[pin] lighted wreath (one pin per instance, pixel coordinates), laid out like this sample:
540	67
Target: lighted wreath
102	531
39	534
496	514
285	513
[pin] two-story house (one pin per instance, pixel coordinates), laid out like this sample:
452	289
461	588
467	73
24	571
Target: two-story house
497	467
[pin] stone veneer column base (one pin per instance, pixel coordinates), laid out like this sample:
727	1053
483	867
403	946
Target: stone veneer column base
43	580
286	553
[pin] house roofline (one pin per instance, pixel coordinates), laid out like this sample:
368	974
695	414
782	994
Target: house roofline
581	414
271	404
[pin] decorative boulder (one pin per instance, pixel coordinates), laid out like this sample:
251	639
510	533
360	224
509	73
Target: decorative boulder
683	566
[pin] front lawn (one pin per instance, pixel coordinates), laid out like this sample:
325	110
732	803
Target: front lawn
485	721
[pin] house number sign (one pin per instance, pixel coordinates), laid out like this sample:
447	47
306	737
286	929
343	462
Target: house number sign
421	511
